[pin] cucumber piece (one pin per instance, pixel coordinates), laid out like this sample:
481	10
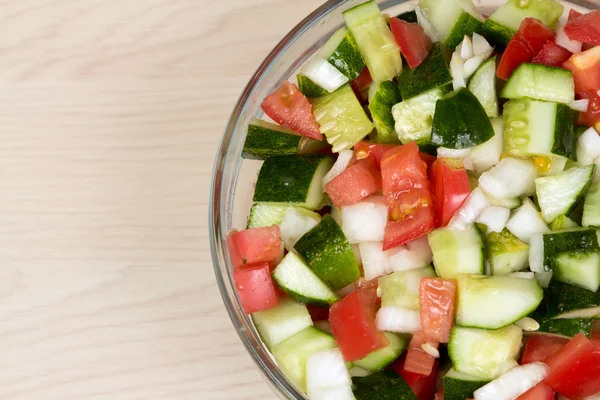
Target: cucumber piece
512	203
386	96
573	239
460	121
292	353
526	222
497	34
267	214
537	128
460	386
457	252
375	40
558	194
488	154
540	82
401	288
562	222
267	139
382	385
408	16
281	322
569	301
510	298
506	253
432	73
484	353
342	52
309	88
414	117
329	254
301	283
562	327
379	359
483	86
591	207
579	268
341	118
293	179
452	19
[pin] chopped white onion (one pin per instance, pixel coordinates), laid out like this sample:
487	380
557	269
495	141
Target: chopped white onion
528	324
396	319
588	147
471	65
326	372
426	25
293	226
536	252
481	45
364	221
373	258
494	217
466	48
470	210
544	278
513	383
324	74
580	105
457	72
511	177
563	40
526	222
422	249
488	154
402	259
342	162
453	153
558	165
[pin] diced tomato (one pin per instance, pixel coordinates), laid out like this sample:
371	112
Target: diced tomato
255	287
538	392
451	189
552	55
354	183
417	360
290	108
402	169
595	338
534	34
422	386
540	347
416	224
516	53
592	116
360	85
318	313
437	299
352	322
586	72
427	159
573	14
585	28
255	246
575	369
413	42
364	149
407	202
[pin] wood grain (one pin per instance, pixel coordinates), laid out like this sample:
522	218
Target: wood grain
110	115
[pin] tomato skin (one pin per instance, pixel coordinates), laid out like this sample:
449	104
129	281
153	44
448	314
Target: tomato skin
538	392
291	109
541	347
534	34
575	369
552	55
255	246
584	28
422	386
417	360
428	159
413	42
353	326
437	298
355	183
365	149
255	287
360	85
586	73
402	169
515	54
573	14
418	223
451	189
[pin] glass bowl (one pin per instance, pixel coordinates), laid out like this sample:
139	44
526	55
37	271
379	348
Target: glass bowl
233	186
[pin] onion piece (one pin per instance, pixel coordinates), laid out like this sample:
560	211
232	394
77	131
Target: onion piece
324	74
471	65
563	40
457	72
544	278
526	222
396	319
374	259
470	210
513	383
481	45
342	162
580	105
293	226
426	25
494	217
466	48
511	177
364	222
326	375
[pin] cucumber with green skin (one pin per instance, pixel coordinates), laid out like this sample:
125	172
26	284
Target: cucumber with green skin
578	267
329	254
342	52
457	252
432	73
460	386
460	121
293	179
309	88
401	288
563	222
281	322
267	214
540	82
483	86
571	239
591	207
506	253
563	327
382	385
386	96
569	301
452	19
496	34
413	117
379	359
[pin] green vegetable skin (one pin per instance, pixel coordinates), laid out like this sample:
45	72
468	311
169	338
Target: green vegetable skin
386	96
569	301
432	73
558	326
452	19
309	88
559	242
379	359
460	386
506	253
342	52
383	385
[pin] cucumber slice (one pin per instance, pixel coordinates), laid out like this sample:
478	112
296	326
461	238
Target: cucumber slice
457	252
506	253
432	73
342	52
267	139
281	322
591	206
375	40
292	353
460	386
414	117
562	222
484	353
579	267
510	298
460	121
569	301
558	242
379	359
342	119
267	214
386	96
382	385
401	288
540	82
562	327
483	86
537	128
558	194
328	253
301	283
309	88
452	19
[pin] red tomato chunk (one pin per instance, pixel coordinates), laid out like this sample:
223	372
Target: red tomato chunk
516	53
552	55
366	149
538	392
354	183
255	287
541	347
254	246
437	298
422	386
534	34
451	189
417	360
414	44
584	28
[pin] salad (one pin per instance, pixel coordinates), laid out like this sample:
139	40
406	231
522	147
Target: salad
426	219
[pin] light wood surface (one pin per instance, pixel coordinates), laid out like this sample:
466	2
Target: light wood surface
110	115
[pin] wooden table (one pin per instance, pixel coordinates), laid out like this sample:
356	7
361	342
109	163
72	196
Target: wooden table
110	115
